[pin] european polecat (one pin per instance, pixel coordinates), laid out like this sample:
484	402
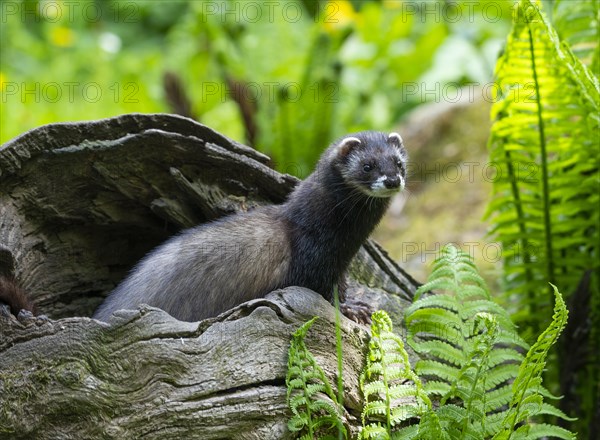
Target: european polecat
307	241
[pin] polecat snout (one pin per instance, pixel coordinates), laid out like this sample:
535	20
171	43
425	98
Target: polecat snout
307	241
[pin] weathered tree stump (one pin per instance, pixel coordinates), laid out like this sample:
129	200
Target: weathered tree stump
79	205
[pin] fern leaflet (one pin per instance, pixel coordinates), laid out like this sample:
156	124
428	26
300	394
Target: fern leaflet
315	410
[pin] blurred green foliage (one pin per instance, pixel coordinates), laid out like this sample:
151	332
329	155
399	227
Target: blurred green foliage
287	77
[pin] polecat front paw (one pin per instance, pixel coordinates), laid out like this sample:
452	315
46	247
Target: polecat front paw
357	311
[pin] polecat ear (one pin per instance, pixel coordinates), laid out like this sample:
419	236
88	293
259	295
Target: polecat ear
347	145
396	140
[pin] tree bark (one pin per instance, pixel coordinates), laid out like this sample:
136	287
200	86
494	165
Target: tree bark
79	205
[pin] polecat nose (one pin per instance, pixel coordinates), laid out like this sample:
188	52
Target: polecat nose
392	182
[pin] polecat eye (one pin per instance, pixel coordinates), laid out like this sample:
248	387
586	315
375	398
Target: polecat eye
367	167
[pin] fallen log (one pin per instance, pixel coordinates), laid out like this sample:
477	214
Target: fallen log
80	203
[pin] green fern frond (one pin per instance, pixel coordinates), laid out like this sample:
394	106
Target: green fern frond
309	395
472	364
470	385
469	345
430	427
448	416
393	393
577	24
545	209
527	400
544	143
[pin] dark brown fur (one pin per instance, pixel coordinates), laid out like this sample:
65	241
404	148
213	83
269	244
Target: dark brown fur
15	297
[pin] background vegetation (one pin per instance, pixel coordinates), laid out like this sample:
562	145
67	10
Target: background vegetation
289	77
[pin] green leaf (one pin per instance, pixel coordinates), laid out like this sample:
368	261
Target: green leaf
309	395
393	393
527	400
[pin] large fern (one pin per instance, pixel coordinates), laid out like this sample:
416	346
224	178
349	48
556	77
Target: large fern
545	142
472	353
470	347
310	396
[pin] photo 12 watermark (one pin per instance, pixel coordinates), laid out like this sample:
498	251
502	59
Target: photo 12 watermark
69	91
473	171
491	252
409	11
70	11
452	92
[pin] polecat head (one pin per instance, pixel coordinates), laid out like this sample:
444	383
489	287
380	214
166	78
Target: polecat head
373	162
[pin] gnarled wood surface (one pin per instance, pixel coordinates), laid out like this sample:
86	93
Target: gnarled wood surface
147	375
79	205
